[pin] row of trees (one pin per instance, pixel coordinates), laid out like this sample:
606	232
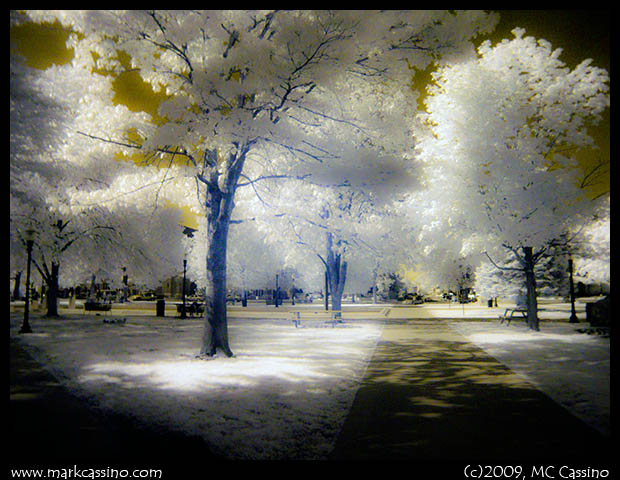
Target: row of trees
296	138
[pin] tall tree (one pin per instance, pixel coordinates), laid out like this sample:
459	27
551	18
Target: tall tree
341	215
502	126
66	188
245	81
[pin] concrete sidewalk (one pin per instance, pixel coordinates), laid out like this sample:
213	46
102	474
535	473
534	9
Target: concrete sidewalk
430	394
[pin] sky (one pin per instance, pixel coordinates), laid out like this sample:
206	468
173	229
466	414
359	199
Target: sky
580	33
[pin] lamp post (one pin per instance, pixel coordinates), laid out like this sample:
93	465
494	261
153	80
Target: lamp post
573	314
183	315
29	236
189	232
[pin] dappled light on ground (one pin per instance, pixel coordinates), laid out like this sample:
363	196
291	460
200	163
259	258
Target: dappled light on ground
195	375
570	366
284	395
428	391
294	393
426	352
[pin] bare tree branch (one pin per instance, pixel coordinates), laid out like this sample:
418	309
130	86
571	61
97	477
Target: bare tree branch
593	176
267	177
139	147
126	193
503	268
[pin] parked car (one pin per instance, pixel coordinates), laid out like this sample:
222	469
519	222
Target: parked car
142	297
233	298
412	298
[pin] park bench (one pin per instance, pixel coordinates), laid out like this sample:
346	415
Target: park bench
191	309
333	317
510	313
603	331
97	306
115	321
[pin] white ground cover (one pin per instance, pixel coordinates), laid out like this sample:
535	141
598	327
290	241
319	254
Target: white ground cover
284	395
288	390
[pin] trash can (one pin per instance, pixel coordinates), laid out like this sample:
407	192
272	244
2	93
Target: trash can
161	308
490	303
597	313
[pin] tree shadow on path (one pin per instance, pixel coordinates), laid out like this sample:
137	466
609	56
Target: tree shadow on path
429	394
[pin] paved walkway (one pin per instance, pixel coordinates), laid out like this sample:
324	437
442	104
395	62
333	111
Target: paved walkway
430	394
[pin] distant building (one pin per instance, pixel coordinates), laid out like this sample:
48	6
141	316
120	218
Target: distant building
173	287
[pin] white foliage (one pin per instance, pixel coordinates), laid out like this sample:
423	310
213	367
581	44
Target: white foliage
327	89
91	213
592	262
279	76
496	124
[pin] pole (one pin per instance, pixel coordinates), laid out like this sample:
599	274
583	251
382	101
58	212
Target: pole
125	285
573	314
183	288
293	296
26	324
374	286
277	292
326	291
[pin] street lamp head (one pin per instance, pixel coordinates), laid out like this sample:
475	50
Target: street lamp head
188	231
29	235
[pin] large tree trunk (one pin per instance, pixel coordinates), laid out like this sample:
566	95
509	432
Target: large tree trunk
530	284
215	334
52	291
336	273
221	184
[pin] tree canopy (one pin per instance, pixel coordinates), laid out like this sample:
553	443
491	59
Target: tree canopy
306	121
501	130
